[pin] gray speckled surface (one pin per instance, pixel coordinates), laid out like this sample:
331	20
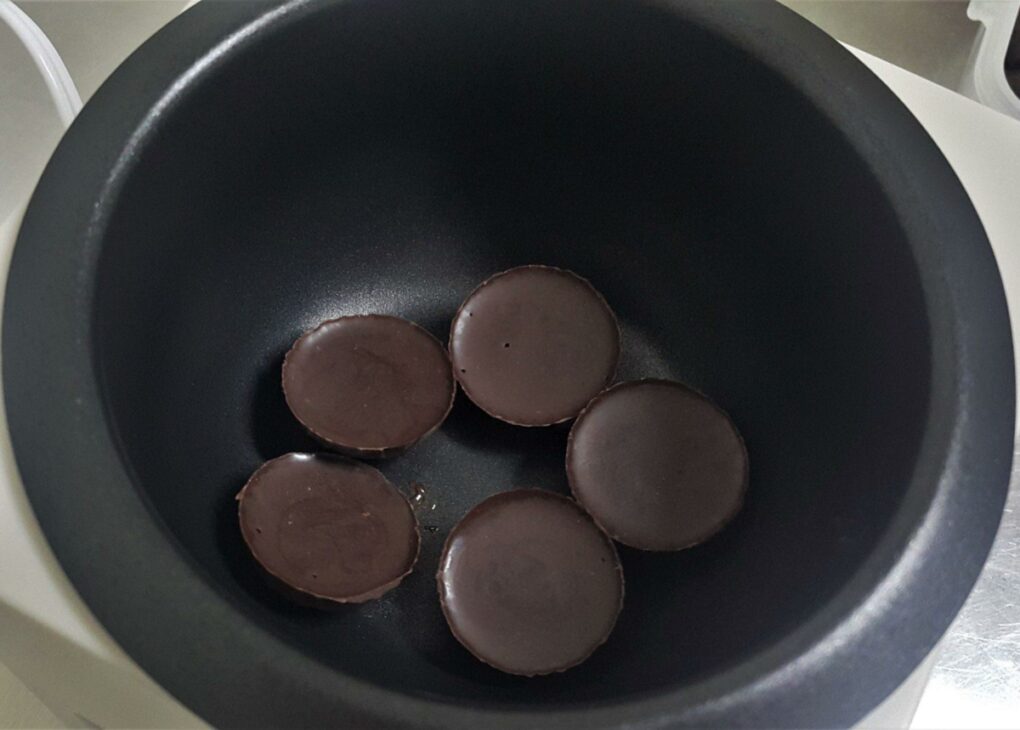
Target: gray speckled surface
976	679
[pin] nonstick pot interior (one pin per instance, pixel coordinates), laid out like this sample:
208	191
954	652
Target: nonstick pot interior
742	202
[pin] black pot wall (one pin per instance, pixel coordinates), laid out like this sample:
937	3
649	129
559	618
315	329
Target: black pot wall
767	221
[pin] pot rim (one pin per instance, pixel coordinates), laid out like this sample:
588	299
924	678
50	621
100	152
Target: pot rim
876	629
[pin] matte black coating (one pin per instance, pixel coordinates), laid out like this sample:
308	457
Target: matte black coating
768	221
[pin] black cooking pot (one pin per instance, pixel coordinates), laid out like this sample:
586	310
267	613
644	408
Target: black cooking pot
767	220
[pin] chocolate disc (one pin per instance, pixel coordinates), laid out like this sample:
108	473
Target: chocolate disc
533	345
368	385
529	584
328	527
657	465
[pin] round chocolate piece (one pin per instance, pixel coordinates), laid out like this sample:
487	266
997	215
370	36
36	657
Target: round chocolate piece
328	527
368	385
533	345
529	584
658	465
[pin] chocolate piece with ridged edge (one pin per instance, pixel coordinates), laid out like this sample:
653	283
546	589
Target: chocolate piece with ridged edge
658	465
529	584
532	345
368	385
328	527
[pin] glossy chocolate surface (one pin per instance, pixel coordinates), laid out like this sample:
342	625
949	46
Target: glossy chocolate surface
658	465
534	344
328	527
529	584
368	385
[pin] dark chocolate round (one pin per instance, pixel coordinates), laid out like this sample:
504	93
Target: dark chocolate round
529	584
368	385
328	527
532	345
658	465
